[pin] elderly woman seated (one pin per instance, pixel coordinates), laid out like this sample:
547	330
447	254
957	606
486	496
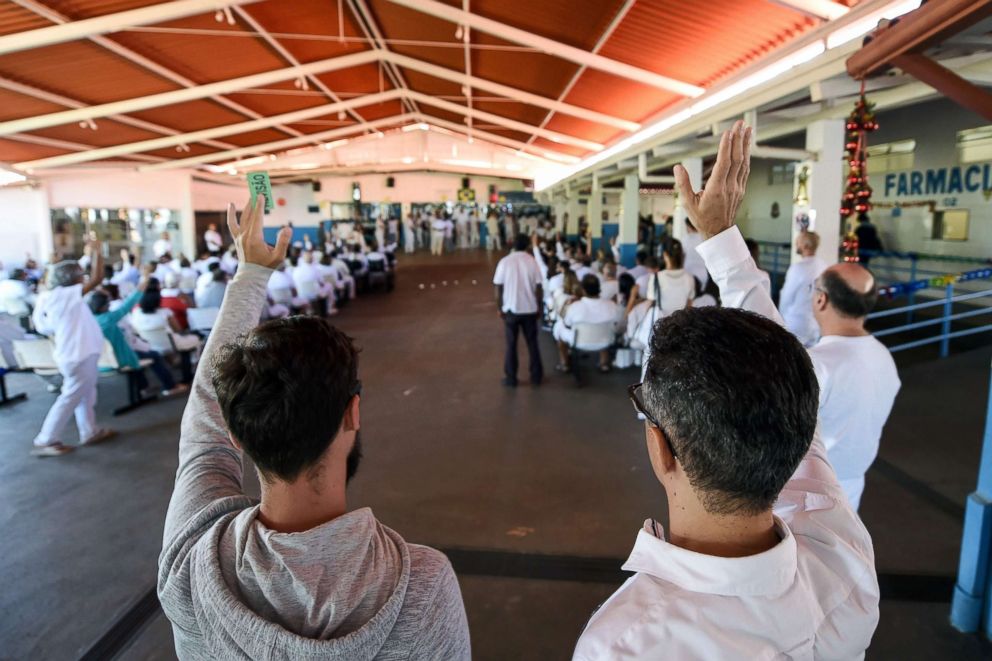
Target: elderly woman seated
589	309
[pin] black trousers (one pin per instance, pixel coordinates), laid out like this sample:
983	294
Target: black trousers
515	323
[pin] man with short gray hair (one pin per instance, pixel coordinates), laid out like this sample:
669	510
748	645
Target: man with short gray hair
61	313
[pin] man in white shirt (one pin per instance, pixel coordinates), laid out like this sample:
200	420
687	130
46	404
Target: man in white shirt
309	283
62	314
795	301
162	246
438	227
858	378
640	269
213	240
16	298
281	290
518	294
590	309
763	556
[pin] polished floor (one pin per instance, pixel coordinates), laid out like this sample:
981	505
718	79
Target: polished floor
535	494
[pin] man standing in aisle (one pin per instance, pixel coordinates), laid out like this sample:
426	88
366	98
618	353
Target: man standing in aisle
795	302
518	296
858	378
213	240
762	557
62	313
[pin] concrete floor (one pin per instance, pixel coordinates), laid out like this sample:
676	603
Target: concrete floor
536	494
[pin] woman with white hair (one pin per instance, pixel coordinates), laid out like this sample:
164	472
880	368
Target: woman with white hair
61	313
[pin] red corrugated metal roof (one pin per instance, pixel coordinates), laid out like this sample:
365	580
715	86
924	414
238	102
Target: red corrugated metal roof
696	42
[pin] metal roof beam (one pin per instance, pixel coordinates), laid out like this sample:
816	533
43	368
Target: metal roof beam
551	47
288	143
546	154
186	94
90	27
553	136
509	92
205	134
825	10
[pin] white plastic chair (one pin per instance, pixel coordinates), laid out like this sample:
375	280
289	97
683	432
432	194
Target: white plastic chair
36	355
590	338
202	319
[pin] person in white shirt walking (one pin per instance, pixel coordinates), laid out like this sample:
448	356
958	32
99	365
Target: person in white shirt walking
858	378
409	232
795	301
63	314
438	227
518	296
212	240
492	232
763	556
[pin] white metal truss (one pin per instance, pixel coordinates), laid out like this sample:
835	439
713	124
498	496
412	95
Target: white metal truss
212	90
77	146
289	57
546	154
36	93
205	134
553	136
141	60
603	38
825	10
372	32
288	143
209	90
551	47
90	27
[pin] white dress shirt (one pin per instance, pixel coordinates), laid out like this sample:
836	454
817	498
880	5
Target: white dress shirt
694	262
520	276
213	240
161	247
796	299
812	596
858	385
586	311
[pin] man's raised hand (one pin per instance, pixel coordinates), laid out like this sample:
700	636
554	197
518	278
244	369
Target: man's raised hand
713	209
249	239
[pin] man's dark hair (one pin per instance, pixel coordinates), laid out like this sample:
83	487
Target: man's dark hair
846	301
99	302
590	285
641	256
737	398
283	390
220	276
213	266
521	242
651	262
19	274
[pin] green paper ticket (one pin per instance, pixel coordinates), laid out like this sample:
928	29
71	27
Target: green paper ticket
258	182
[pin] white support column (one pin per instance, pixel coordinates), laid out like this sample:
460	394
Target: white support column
187	218
594	211
560	210
817	199
574	211
630	206
694	166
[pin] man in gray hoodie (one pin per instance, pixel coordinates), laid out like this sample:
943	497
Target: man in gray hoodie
295	576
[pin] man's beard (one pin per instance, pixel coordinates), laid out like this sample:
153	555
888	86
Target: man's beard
354	458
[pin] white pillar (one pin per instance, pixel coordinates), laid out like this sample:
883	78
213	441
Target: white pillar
694	166
629	208
187	218
824	185
595	213
574	211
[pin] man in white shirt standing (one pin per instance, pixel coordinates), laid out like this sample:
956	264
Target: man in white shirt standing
763	556
858	378
795	302
162	246
213	240
518	294
63	314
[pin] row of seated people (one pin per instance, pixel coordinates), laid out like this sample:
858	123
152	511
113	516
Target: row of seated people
579	290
